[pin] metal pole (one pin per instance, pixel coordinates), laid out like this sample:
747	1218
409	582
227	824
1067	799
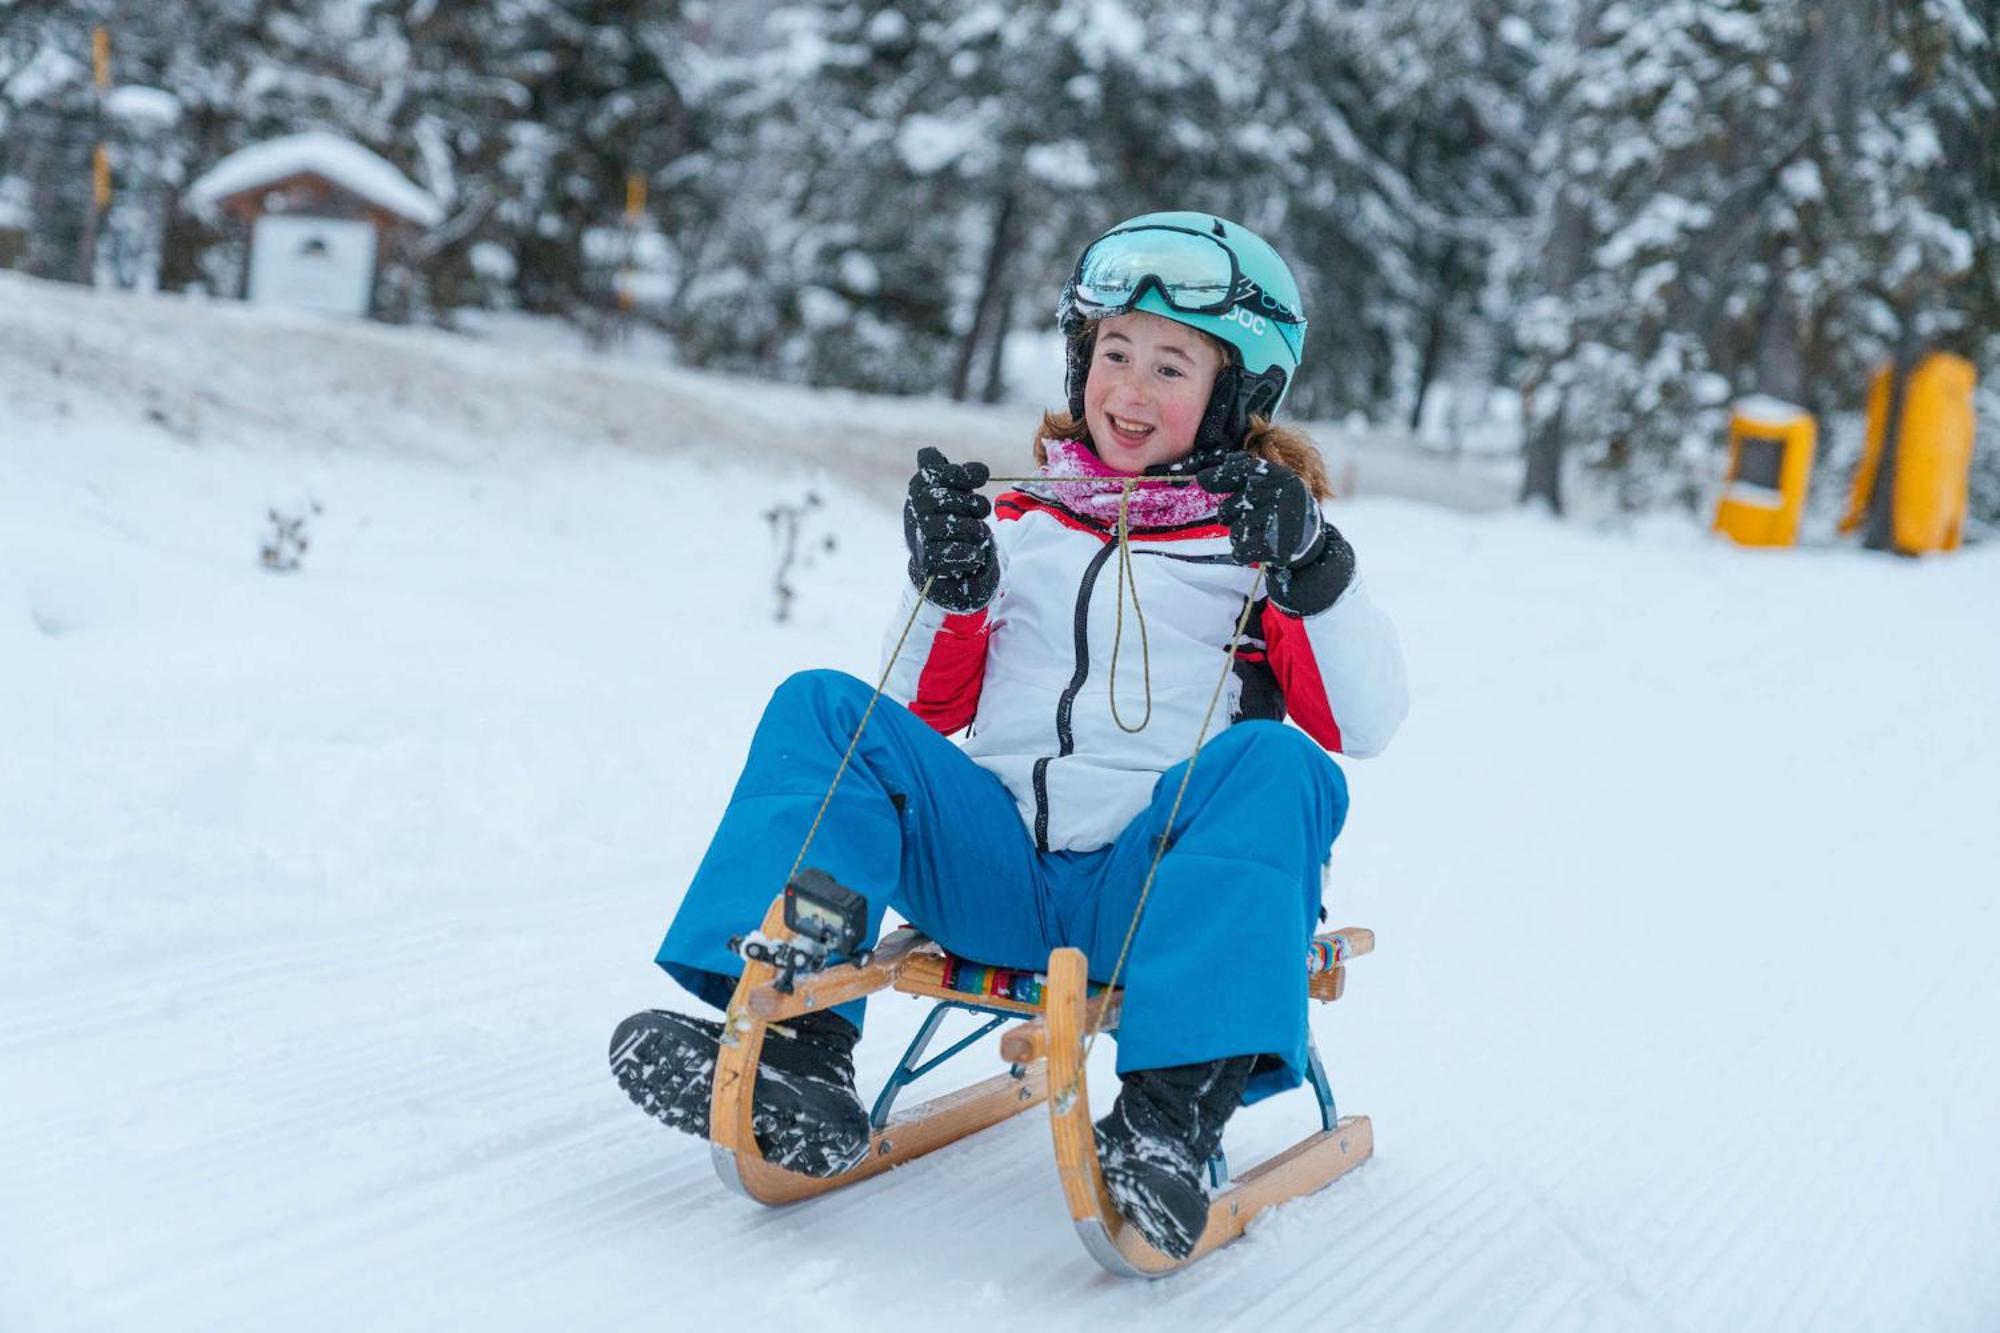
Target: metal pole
1880	534
100	157
635	208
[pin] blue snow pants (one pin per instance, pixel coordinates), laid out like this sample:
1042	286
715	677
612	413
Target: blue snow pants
1218	966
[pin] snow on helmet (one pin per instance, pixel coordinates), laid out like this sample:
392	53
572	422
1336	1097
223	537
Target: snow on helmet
1212	275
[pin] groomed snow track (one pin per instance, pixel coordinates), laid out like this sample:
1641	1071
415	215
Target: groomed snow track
322	893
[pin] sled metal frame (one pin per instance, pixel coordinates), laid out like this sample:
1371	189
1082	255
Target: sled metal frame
1045	1049
908	1070
913	1066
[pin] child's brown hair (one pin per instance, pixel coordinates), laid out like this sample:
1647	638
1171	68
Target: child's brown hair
1283	445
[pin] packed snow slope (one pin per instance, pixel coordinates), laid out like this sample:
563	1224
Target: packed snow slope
322	891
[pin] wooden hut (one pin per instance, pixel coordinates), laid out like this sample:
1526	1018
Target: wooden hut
320	211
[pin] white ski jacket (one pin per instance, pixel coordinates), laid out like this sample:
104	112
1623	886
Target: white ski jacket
1031	672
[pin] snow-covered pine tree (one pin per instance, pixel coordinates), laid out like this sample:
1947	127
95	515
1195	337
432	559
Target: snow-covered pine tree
1449	107
594	87
238	70
1376	144
827	259
890	154
49	123
1748	196
1637	135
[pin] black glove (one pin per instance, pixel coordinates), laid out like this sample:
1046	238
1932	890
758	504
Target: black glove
944	527
1275	522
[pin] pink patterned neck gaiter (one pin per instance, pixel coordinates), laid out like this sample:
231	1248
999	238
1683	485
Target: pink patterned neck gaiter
1156	502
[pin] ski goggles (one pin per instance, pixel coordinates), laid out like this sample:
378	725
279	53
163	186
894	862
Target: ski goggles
1193	272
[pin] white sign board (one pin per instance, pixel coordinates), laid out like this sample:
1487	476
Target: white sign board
325	264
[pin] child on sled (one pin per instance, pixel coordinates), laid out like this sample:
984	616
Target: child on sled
1184	332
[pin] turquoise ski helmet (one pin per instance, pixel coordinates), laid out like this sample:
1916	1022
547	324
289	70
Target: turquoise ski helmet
1209	274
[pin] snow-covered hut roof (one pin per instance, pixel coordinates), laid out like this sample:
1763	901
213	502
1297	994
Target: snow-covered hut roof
342	161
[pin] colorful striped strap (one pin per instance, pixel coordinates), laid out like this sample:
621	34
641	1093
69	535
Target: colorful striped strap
1326	953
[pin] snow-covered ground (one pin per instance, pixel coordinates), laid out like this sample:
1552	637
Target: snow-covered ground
321	892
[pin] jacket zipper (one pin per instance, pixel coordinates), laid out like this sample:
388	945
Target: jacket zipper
1066	705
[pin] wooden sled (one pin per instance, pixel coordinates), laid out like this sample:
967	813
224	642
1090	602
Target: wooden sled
1045	1049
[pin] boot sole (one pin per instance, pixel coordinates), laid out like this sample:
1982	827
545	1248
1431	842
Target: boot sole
666	1064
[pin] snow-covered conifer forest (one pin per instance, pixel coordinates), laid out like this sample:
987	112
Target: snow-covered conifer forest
1619	215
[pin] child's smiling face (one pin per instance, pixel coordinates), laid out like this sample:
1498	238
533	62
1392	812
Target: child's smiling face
1147	389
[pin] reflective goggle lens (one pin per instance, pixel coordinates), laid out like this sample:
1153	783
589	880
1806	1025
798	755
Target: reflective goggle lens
1194	273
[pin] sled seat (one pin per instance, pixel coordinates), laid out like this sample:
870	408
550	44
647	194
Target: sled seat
1002	993
913	963
933	972
908	961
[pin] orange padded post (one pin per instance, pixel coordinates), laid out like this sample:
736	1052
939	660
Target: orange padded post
1771	447
1929	447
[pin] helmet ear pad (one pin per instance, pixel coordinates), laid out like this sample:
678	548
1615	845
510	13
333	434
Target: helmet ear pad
1259	396
1222	427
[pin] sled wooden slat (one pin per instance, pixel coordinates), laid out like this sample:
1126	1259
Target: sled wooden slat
923	972
1046	1052
910	963
1341	945
1025	1043
1348	942
1327	986
909	1134
1302	1169
836	985
1064	1026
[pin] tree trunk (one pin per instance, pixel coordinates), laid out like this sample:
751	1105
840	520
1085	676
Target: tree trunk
996	350
1434	338
1565	259
985	310
1779	370
1541	478
1880	533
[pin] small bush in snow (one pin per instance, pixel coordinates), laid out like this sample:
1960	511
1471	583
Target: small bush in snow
285	546
794	547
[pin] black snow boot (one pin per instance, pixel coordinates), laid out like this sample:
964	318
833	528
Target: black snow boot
1153	1146
805	1112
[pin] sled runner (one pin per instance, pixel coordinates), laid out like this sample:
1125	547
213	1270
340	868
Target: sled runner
1045	1049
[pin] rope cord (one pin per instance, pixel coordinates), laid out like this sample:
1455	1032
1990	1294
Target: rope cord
881	683
925	591
1166	834
1127	579
1207	718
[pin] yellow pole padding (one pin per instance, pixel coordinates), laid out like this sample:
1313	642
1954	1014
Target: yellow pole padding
1771	446
1931	467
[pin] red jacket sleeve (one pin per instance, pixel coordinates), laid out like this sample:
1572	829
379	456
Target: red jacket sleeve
1341	672
947	693
1290	655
